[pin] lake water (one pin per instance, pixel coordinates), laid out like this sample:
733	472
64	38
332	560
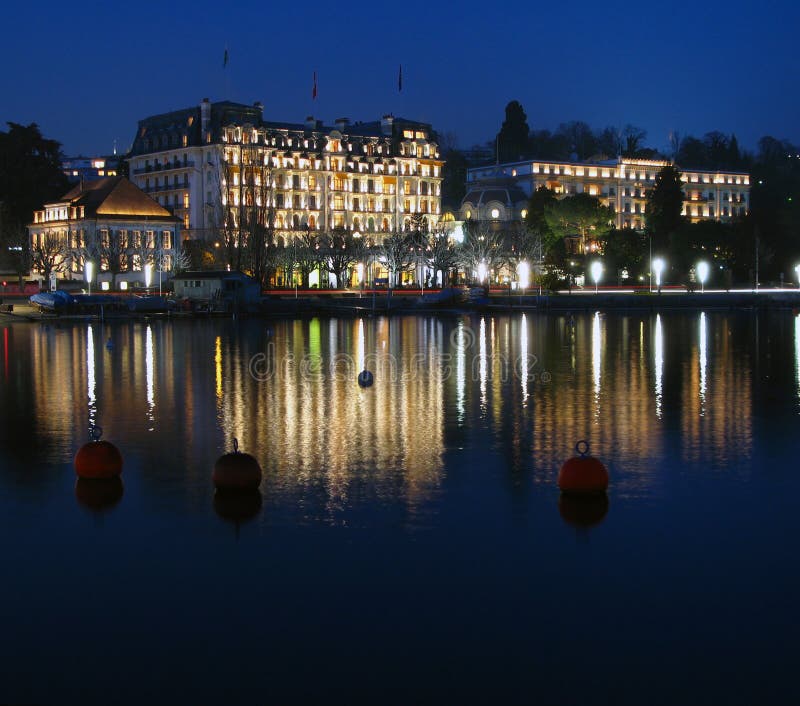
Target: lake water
409	544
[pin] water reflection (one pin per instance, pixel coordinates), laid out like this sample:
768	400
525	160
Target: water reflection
659	367
91	377
596	362
439	384
149	358
703	362
797	352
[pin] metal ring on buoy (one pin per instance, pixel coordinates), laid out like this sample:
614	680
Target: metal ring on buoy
583	474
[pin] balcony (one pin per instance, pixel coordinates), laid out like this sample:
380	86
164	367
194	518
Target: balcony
170	167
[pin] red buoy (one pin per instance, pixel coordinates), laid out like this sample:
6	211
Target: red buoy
98	459
236	471
583	474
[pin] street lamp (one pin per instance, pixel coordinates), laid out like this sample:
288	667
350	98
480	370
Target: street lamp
523	274
481	271
702	274
148	275
597	272
658	268
88	270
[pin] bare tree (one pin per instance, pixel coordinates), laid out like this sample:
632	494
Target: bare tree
397	254
49	253
441	256
482	247
339	251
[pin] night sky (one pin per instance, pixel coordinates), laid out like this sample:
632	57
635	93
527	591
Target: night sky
86	72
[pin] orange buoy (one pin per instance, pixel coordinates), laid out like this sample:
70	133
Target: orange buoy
236	471
98	459
583	473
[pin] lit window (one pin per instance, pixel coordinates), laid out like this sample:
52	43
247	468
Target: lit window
495	213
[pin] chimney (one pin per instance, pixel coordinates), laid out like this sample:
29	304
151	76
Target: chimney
311	124
205	118
342	124
259	106
386	124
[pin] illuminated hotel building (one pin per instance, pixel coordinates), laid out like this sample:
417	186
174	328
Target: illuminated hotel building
620	183
210	163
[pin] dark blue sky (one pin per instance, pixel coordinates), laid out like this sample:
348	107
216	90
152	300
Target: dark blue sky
86	72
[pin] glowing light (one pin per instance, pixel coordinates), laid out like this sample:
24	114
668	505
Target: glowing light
658	268
88	271
482	270
597	272
797	272
524	274
148	275
702	274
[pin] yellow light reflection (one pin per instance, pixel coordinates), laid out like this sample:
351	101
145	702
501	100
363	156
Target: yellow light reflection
483	365
360	346
218	366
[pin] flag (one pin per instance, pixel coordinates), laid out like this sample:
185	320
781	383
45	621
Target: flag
225	58
400	79
314	90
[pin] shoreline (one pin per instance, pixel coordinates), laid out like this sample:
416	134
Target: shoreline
348	303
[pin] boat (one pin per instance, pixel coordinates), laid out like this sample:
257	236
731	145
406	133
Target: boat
53	301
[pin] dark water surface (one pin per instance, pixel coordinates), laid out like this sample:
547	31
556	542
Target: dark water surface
410	545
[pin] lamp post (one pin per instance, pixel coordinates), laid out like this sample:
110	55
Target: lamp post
88	270
597	272
148	276
481	271
658	268
702	274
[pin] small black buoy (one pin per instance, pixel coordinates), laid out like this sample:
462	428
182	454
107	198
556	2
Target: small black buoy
236	471
365	378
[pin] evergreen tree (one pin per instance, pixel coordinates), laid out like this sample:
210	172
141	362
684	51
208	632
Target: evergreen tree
512	140
664	205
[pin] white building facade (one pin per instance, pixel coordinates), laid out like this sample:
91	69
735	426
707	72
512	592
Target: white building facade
621	184
213	164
